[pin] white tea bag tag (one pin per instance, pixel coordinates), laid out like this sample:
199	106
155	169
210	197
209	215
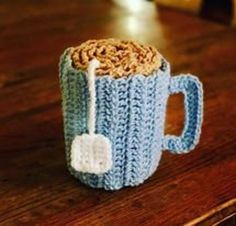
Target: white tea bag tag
91	153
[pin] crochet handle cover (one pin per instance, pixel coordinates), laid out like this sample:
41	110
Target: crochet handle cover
192	90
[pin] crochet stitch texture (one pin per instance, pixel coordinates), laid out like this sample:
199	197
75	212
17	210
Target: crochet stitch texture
130	111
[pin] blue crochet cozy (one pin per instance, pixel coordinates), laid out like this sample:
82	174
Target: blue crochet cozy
130	111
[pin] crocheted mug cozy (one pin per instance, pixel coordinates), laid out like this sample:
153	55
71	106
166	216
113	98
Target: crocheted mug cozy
130	112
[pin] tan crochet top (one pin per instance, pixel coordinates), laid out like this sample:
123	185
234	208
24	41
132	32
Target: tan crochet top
117	57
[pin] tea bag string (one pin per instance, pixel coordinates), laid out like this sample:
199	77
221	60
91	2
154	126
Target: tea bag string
93	64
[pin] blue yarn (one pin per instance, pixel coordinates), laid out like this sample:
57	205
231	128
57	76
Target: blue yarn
130	111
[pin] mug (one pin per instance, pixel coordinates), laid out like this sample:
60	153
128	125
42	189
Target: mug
130	111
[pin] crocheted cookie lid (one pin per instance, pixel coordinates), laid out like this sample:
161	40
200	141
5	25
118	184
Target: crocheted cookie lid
118	58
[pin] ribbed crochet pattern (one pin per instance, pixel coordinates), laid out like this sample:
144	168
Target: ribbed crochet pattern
130	112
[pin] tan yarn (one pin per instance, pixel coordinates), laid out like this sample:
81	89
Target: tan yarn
117	57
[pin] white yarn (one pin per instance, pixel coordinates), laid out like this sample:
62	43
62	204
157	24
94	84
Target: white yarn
93	64
91	153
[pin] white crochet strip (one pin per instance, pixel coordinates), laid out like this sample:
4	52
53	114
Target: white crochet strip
93	64
91	153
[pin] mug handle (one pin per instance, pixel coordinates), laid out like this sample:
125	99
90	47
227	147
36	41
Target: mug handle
191	87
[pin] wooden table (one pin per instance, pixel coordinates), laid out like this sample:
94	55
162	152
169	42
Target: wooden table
35	186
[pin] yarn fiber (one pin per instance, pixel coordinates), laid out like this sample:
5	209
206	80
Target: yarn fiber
118	58
130	111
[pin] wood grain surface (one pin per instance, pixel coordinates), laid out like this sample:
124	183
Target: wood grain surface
35	186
